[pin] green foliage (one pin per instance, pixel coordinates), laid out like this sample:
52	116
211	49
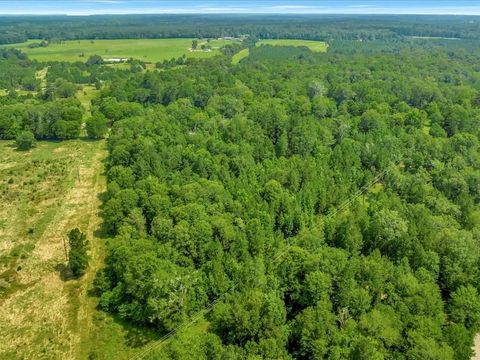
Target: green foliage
460	340
232	180
95	60
250	186
465	307
77	255
96	126
249	317
17	71
53	119
60	88
313	27
25	140
222	167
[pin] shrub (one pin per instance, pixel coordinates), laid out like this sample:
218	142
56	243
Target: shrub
25	140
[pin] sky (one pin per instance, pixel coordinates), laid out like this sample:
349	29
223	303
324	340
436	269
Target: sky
96	7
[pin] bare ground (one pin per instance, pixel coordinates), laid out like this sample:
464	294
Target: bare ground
476	348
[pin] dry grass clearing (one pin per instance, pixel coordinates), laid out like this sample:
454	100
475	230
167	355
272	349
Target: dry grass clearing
44	193
44	313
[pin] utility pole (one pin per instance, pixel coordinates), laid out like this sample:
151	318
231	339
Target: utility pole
65	248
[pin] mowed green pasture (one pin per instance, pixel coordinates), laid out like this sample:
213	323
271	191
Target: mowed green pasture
149	50
242	54
316	46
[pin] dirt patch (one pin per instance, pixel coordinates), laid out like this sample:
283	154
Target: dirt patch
476	348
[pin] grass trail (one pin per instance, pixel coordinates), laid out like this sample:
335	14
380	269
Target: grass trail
42	76
85	95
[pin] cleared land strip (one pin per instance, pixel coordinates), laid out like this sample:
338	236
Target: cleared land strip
52	189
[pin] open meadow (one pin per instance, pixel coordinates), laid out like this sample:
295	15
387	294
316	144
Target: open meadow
242	54
149	50
44	193
315	46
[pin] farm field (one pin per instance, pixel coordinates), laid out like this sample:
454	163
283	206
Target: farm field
242	54
316	46
149	50
44	193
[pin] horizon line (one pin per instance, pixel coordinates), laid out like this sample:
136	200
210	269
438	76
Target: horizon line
241	13
234	7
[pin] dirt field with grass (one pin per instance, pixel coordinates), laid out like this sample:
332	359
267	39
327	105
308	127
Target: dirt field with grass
44	193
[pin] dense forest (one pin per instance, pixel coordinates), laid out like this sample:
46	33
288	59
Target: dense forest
318	205
313	27
233	180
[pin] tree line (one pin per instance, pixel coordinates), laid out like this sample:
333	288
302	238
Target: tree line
311	27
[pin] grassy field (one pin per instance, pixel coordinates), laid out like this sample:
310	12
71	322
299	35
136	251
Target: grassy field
242	54
316	46
150	50
44	193
44	312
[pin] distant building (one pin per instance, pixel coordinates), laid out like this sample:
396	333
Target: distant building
115	60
